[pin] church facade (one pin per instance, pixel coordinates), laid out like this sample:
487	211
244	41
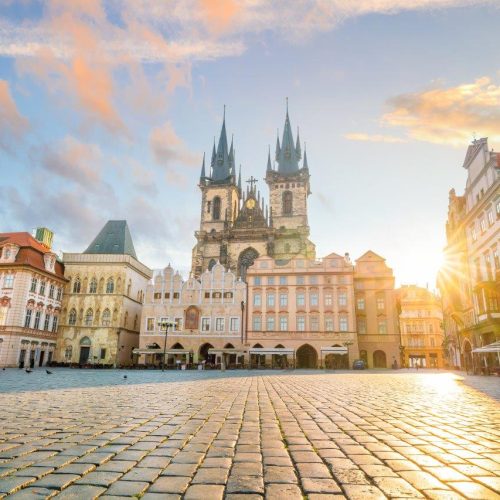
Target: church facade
236	225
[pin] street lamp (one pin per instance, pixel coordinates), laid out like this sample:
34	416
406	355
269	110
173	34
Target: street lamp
164	325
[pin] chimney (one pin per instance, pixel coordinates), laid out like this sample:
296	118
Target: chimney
44	236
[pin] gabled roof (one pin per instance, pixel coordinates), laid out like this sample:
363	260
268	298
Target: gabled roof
474	149
333	255
370	256
114	238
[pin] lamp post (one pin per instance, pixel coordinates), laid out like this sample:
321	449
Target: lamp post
346	344
165	324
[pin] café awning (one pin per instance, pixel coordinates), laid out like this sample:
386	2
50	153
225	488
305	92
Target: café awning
495	347
271	350
170	352
334	350
228	350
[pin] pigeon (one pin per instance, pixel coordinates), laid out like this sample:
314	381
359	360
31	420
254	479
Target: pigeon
28	370
48	372
124	376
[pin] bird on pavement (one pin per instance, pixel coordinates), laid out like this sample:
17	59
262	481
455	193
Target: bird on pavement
28	370
48	372
124	376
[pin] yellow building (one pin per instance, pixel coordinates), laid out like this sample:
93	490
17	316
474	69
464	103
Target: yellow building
103	300
421	324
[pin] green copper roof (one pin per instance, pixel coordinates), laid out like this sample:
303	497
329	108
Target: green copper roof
114	238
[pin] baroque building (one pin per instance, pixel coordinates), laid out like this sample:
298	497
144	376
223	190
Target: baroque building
421	324
31	289
469	279
103	300
236	226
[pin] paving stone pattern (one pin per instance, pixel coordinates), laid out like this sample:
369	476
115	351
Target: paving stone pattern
246	435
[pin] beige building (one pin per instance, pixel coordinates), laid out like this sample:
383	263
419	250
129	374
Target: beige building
469	280
31	290
207	313
103	300
376	311
421	325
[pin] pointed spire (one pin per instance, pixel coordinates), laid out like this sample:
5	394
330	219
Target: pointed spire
203	174
298	150
288	161
239	179
278	149
269	166
212	163
305	165
222	157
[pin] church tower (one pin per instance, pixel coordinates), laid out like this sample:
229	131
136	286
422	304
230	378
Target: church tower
220	204
288	192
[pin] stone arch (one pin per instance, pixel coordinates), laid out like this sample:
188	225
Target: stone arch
307	356
245	260
93	285
204	356
110	285
211	264
89	317
229	346
379	359
77	285
85	341
177	345
467	355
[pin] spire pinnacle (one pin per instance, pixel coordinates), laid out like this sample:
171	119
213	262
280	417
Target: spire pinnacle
239	179
269	166
288	159
305	165
278	149
298	150
203	174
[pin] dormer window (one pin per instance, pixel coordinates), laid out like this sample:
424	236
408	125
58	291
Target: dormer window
50	262
8	253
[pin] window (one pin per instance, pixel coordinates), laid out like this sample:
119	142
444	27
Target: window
54	323
234	324
207	295
343	326
314	323
283	299
313	280
59	293
328	299
432	342
257	299
157	295
482	224
205	324
8	281
361	325
102	353
167	295
283	323
270	299
34	282
228	295
110	286
287	198
257	323
329	324
38	314
72	317
491	220
216	213
77	286
150	324
27	318
46	322
283	280
93	286
270	280
382	326
68	353
300	280
301	299
219	324
342	298
360	303
51	291
496	259
89	317
380	303
257	280
177	295
177	325
313	299
163	327
42	288
106	317
473	233
270	324
301	323
498	208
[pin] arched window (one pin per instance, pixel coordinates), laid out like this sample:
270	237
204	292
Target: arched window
287	203
125	321
72	317
136	319
110	286
68	353
129	287
211	264
106	317
77	285
216	208
93	286
89	317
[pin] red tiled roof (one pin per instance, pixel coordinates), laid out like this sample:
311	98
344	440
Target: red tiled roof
31	252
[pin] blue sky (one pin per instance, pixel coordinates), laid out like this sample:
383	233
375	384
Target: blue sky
106	109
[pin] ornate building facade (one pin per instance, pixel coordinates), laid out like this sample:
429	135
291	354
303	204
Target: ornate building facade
31	290
236	226
103	300
470	279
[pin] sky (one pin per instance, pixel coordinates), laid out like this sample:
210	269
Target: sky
106	109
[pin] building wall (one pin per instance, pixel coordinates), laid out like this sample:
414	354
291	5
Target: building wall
421	324
216	295
117	336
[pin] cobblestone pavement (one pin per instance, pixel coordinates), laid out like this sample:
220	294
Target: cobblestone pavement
244	435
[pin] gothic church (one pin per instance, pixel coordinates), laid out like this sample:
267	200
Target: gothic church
236	225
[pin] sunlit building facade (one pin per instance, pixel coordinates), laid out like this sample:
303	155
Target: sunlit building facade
421	326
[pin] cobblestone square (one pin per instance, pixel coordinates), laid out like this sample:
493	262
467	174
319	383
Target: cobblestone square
85	434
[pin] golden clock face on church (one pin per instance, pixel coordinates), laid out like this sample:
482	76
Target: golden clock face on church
250	203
